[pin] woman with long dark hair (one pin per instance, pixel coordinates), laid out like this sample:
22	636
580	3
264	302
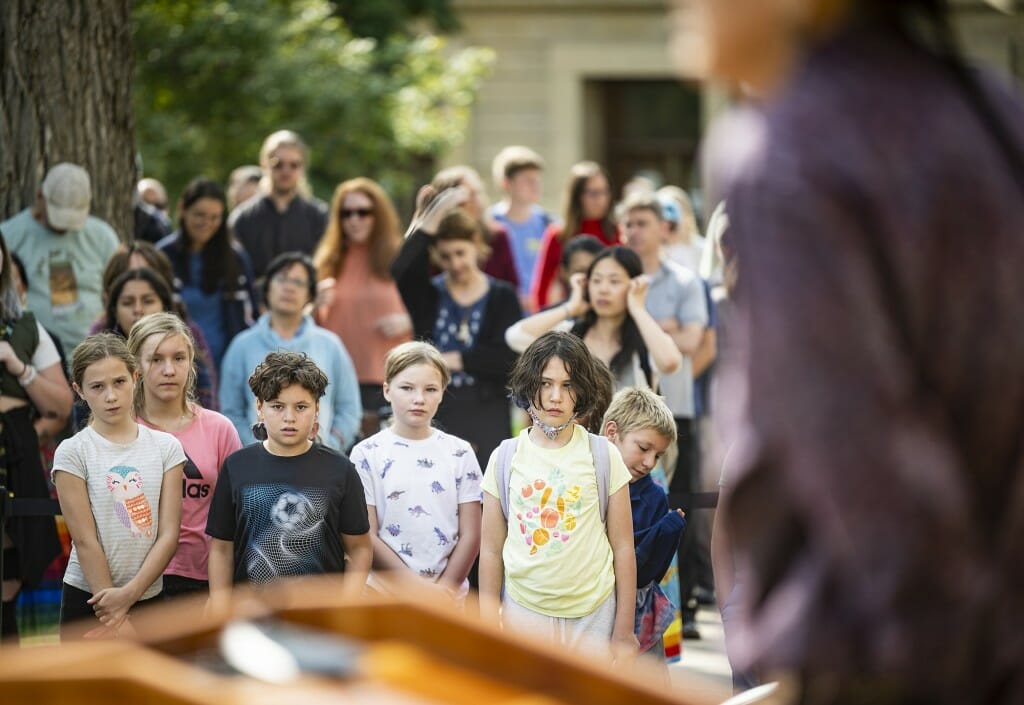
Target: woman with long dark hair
30	378
874	392
587	211
606	309
211	270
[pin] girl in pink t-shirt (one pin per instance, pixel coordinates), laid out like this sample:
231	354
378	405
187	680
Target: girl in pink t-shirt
164	400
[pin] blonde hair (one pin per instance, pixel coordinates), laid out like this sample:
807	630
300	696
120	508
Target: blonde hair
415	352
689	218
511	160
634	409
166	325
284	138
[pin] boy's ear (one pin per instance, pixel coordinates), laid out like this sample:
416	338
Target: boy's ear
611	430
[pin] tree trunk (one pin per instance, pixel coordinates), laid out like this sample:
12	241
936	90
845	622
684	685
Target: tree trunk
66	96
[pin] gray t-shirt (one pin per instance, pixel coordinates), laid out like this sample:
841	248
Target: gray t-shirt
124	484
65	272
675	292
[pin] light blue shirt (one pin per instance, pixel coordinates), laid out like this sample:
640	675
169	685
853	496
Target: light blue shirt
341	411
524	239
677	293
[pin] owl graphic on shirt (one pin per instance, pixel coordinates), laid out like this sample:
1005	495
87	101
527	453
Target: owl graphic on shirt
131	506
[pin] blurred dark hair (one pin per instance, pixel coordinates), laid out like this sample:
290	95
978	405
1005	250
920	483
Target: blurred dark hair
283	262
585	374
220	265
580	243
632	341
160	287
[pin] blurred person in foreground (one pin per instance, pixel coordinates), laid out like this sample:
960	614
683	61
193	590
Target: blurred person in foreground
876	400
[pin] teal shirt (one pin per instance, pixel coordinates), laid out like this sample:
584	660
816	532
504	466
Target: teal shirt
65	272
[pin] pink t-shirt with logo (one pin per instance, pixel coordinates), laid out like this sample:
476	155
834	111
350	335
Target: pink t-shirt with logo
207	441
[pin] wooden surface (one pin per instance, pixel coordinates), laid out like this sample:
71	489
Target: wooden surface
417	649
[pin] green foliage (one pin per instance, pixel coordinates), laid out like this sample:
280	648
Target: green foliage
215	78
384	19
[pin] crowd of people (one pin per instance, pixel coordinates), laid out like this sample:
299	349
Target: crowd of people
287	387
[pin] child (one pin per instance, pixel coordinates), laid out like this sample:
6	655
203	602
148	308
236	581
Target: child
560	560
164	400
288	505
642	427
422	485
120	493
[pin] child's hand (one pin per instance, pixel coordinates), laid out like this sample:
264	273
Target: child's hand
680	512
624	648
111	605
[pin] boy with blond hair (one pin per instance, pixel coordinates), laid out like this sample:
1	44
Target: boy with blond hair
517	172
641	426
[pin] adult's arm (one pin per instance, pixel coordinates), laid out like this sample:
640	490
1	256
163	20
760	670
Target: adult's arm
348	407
491	356
519	335
706	353
662	349
411	272
233	393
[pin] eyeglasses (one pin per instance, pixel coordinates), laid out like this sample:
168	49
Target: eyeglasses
347	213
281	164
294	281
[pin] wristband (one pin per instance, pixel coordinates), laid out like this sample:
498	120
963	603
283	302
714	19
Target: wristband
32	372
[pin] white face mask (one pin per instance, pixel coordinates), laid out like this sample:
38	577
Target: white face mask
550	431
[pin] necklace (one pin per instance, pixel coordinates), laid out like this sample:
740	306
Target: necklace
548	430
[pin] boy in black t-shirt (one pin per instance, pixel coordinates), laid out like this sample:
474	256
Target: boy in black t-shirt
287	506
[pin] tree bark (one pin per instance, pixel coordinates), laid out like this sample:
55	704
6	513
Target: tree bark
66	71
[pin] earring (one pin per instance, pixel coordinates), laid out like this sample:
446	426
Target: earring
259	431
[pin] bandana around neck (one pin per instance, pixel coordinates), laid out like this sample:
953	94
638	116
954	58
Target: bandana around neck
550	431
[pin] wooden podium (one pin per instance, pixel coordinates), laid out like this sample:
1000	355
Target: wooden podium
410	647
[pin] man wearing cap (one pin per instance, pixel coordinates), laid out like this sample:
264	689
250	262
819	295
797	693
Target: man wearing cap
65	251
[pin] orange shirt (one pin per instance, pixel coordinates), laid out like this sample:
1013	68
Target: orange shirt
361	298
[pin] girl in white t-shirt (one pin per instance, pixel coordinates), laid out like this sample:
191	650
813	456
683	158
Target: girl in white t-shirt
119	485
422	485
165	401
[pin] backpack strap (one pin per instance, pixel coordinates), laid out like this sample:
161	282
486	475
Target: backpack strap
603	469
503	466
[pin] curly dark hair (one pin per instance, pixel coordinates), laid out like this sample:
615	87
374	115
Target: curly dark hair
588	378
283	369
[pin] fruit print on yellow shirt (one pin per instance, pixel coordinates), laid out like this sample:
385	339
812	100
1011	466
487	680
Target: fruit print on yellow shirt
546	512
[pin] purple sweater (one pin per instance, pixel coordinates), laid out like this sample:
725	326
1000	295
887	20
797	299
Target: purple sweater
878	474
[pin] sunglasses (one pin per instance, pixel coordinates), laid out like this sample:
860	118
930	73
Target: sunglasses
280	164
360	212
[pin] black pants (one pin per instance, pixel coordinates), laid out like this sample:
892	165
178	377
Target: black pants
75	607
686	481
180	586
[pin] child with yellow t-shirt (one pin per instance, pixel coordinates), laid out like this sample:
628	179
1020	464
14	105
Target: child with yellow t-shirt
559	563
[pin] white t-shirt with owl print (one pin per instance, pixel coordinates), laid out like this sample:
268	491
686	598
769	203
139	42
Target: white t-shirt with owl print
416	488
124	484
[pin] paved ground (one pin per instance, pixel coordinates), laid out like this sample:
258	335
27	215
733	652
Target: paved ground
704	659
